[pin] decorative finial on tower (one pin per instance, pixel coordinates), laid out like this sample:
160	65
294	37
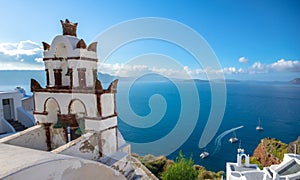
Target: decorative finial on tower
69	28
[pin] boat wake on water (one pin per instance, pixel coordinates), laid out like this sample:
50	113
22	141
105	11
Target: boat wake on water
218	141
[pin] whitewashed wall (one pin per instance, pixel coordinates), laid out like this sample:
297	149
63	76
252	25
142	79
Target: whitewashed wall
17	101
108	142
107	104
33	137
63	101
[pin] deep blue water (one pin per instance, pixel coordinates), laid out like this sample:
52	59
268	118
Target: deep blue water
276	104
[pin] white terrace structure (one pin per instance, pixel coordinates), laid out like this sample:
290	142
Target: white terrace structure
15	111
76	121
289	169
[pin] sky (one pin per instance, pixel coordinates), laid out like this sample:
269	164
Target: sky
252	40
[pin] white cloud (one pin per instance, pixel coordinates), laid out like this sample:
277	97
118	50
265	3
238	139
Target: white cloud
286	66
21	48
243	60
278	66
23	55
257	68
130	70
233	70
28	55
19	66
39	60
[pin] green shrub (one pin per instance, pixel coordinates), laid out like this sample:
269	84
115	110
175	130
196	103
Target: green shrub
181	169
253	160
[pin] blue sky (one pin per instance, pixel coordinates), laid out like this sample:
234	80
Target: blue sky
252	39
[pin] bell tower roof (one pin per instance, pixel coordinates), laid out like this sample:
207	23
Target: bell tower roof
69	28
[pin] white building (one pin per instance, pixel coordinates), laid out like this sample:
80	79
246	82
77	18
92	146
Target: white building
288	169
76	120
73	95
9	101
15	110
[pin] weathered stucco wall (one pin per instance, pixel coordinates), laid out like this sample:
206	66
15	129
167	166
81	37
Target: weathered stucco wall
107	104
58	137
63	102
85	147
108	142
33	137
100	125
27	104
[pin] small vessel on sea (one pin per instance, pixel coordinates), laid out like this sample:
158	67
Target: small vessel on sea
259	127
204	154
233	139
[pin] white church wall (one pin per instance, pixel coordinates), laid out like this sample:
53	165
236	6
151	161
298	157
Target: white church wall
89	78
62	46
85	147
85	53
100	125
88	65
33	137
108	142
65	79
64	100
58	137
107	104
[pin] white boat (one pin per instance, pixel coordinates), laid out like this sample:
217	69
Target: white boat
204	154
259	127
234	138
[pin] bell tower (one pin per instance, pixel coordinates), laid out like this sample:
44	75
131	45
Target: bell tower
73	98
69	63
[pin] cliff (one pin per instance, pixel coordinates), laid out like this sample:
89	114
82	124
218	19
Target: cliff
295	81
271	151
291	147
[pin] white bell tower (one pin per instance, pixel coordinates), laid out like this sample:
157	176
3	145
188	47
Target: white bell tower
243	157
73	97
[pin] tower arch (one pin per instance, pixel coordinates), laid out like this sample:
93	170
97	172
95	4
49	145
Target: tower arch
52	108
76	106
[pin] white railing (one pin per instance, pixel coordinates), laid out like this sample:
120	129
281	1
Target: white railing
5	127
24	117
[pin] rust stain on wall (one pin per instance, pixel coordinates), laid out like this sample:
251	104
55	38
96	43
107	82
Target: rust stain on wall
86	146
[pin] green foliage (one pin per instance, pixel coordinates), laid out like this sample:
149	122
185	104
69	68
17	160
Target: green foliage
159	165
181	169
205	174
253	160
276	148
156	165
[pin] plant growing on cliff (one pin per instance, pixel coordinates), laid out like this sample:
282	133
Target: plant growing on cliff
181	169
276	148
254	160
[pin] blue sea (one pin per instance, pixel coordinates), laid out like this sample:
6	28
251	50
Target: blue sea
276	104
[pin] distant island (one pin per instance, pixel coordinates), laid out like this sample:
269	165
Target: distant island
295	81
